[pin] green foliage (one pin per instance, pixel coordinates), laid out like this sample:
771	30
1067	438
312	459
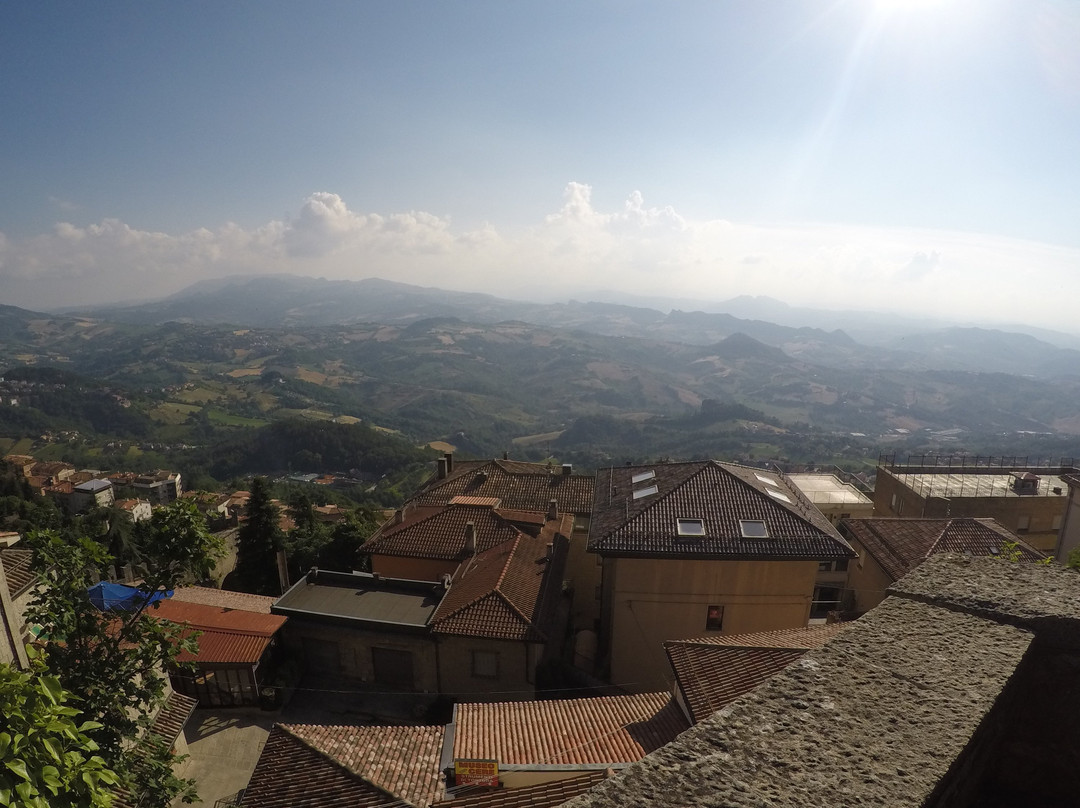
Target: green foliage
115	662
47	758
1073	561
257	543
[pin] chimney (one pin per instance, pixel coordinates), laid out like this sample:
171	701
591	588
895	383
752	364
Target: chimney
442	468
567	469
449	457
506	455
549	551
399	516
312	575
470	538
553	510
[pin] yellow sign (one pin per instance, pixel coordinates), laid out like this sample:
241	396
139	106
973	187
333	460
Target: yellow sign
476	773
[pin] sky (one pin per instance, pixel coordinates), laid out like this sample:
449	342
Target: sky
917	156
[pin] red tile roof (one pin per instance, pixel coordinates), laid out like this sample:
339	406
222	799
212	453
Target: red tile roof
518	485
721	495
228	635
565	732
544	795
440	533
174	713
504	593
711	672
353	767
900	545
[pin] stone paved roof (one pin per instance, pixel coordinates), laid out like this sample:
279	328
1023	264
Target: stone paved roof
567	732
17	571
504	593
544	795
519	486
347	767
711	672
628	520
900	545
876	717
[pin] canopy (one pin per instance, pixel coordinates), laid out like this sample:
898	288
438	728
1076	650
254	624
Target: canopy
109	596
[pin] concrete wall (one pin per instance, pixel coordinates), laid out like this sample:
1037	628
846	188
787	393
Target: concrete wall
649	601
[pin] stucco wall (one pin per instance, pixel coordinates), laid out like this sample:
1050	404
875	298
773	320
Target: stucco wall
412	569
656	600
516	669
867	581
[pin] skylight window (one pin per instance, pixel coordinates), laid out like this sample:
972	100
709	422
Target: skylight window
642	477
647	491
767	480
690	527
779	496
753	529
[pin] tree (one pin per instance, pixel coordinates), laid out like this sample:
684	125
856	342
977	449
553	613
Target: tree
257	544
46	758
115	662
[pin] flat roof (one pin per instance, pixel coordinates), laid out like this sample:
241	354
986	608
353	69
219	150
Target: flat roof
979	485
360	597
828	489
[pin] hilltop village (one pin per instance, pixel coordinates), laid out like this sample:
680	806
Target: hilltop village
518	633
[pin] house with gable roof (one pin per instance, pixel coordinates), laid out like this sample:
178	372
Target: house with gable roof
888	549
700	547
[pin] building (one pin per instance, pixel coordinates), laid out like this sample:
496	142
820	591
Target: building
483	632
891	548
91	494
137	510
835	495
702	547
1026	499
159	487
17	581
949	693
236	656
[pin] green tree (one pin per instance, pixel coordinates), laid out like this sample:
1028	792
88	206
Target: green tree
115	662
257	543
46	758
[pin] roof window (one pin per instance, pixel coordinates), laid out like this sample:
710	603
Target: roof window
779	496
642	477
766	480
645	492
690	528
753	529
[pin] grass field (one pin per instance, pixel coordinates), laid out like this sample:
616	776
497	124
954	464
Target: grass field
219	417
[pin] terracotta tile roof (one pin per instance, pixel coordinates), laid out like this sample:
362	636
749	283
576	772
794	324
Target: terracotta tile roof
174	713
900	545
711	672
544	795
501	593
228	635
519	486
223	598
17	570
440	533
565	732
721	495
347	767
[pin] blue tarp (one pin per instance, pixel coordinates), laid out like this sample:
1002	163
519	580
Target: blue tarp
108	596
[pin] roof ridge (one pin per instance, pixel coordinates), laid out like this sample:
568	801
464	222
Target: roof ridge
496	588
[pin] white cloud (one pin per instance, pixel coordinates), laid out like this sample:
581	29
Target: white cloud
634	248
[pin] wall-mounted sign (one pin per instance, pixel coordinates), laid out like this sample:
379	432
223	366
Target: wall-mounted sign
476	772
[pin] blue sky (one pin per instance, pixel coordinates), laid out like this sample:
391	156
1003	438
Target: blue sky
918	156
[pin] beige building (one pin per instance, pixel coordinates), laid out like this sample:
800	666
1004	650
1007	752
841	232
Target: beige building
1027	500
891	548
695	548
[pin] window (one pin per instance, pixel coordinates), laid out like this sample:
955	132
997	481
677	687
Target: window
640	478
779	496
714	618
824	566
485	664
691	527
1023	523
753	529
1055	523
644	492
767	480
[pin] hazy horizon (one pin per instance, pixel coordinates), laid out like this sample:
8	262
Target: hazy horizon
913	157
